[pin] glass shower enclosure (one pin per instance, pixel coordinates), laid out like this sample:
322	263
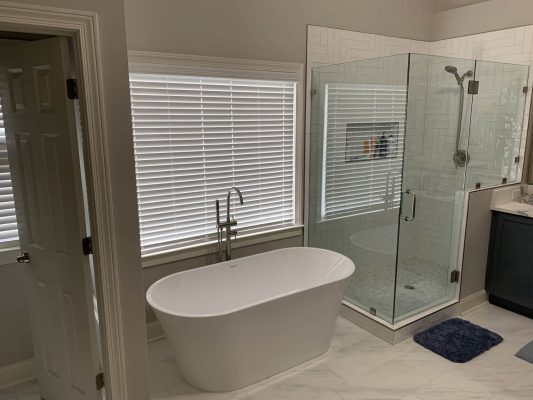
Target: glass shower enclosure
395	144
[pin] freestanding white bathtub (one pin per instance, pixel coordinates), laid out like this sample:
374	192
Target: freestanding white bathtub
236	322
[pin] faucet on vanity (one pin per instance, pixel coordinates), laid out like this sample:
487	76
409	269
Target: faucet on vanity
230	221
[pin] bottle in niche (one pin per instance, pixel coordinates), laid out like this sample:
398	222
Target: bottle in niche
383	146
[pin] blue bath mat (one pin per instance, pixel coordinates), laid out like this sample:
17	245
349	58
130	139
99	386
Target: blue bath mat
457	340
526	353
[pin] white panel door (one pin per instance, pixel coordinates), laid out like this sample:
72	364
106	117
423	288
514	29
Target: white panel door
43	156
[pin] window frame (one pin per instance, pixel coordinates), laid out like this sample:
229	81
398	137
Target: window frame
375	206
180	64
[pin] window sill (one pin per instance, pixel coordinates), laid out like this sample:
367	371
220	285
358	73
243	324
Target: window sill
9	255
212	248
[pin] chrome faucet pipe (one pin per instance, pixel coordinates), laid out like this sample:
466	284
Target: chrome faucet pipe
219	231
227	225
228	199
230	221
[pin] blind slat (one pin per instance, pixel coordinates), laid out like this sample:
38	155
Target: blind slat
8	220
365	130
194	137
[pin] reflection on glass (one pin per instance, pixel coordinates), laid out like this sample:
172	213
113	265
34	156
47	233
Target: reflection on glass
385	186
497	123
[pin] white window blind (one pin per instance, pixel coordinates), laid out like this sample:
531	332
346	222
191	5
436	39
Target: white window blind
363	148
194	138
8	219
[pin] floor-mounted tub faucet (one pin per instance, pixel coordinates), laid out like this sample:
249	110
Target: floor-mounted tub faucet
227	225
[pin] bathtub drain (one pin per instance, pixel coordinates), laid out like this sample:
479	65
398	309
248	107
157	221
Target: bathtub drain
410	287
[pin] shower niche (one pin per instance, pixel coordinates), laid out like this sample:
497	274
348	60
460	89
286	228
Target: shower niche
395	144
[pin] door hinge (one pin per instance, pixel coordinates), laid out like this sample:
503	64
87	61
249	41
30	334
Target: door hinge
87	245
313	92
454	276
72	89
473	87
99	380
517	159
525	89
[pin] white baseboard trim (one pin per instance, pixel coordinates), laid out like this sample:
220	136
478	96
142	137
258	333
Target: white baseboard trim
154	331
392	336
16	373
473	301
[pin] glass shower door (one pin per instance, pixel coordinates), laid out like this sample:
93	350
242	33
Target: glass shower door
433	186
355	168
497	120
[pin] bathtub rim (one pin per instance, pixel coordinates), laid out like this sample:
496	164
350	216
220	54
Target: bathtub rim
167	311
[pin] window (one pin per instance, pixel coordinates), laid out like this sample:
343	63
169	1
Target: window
8	219
197	136
363	150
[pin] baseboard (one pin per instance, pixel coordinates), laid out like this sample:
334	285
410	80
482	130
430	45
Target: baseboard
367	323
473	301
16	373
400	334
154	331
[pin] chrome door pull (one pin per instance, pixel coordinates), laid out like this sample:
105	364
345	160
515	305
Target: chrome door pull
24	258
413	206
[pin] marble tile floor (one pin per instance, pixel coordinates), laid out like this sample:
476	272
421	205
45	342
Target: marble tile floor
361	366
373	287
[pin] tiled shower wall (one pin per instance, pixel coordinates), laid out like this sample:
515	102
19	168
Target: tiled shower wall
333	46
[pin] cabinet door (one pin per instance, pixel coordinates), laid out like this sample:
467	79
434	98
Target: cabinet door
510	269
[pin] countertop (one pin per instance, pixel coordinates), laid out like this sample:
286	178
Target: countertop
515	207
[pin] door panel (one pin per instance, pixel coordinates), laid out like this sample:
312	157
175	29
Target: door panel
43	155
28	218
433	187
496	124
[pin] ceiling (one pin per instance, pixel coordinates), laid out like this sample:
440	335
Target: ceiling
444	5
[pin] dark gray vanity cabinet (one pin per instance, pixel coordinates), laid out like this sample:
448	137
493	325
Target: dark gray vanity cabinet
509	279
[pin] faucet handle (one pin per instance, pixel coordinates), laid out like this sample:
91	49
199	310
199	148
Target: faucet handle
233	233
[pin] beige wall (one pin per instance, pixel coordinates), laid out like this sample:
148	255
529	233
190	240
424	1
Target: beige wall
264	29
255	29
481	17
477	235
15	335
275	30
117	122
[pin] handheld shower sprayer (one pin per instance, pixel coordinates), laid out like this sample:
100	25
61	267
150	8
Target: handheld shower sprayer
460	157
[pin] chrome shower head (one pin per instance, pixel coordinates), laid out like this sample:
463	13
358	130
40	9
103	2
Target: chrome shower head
451	69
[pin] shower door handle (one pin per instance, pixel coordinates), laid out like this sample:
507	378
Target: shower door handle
413	206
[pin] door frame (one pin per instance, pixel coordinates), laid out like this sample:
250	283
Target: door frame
82	28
